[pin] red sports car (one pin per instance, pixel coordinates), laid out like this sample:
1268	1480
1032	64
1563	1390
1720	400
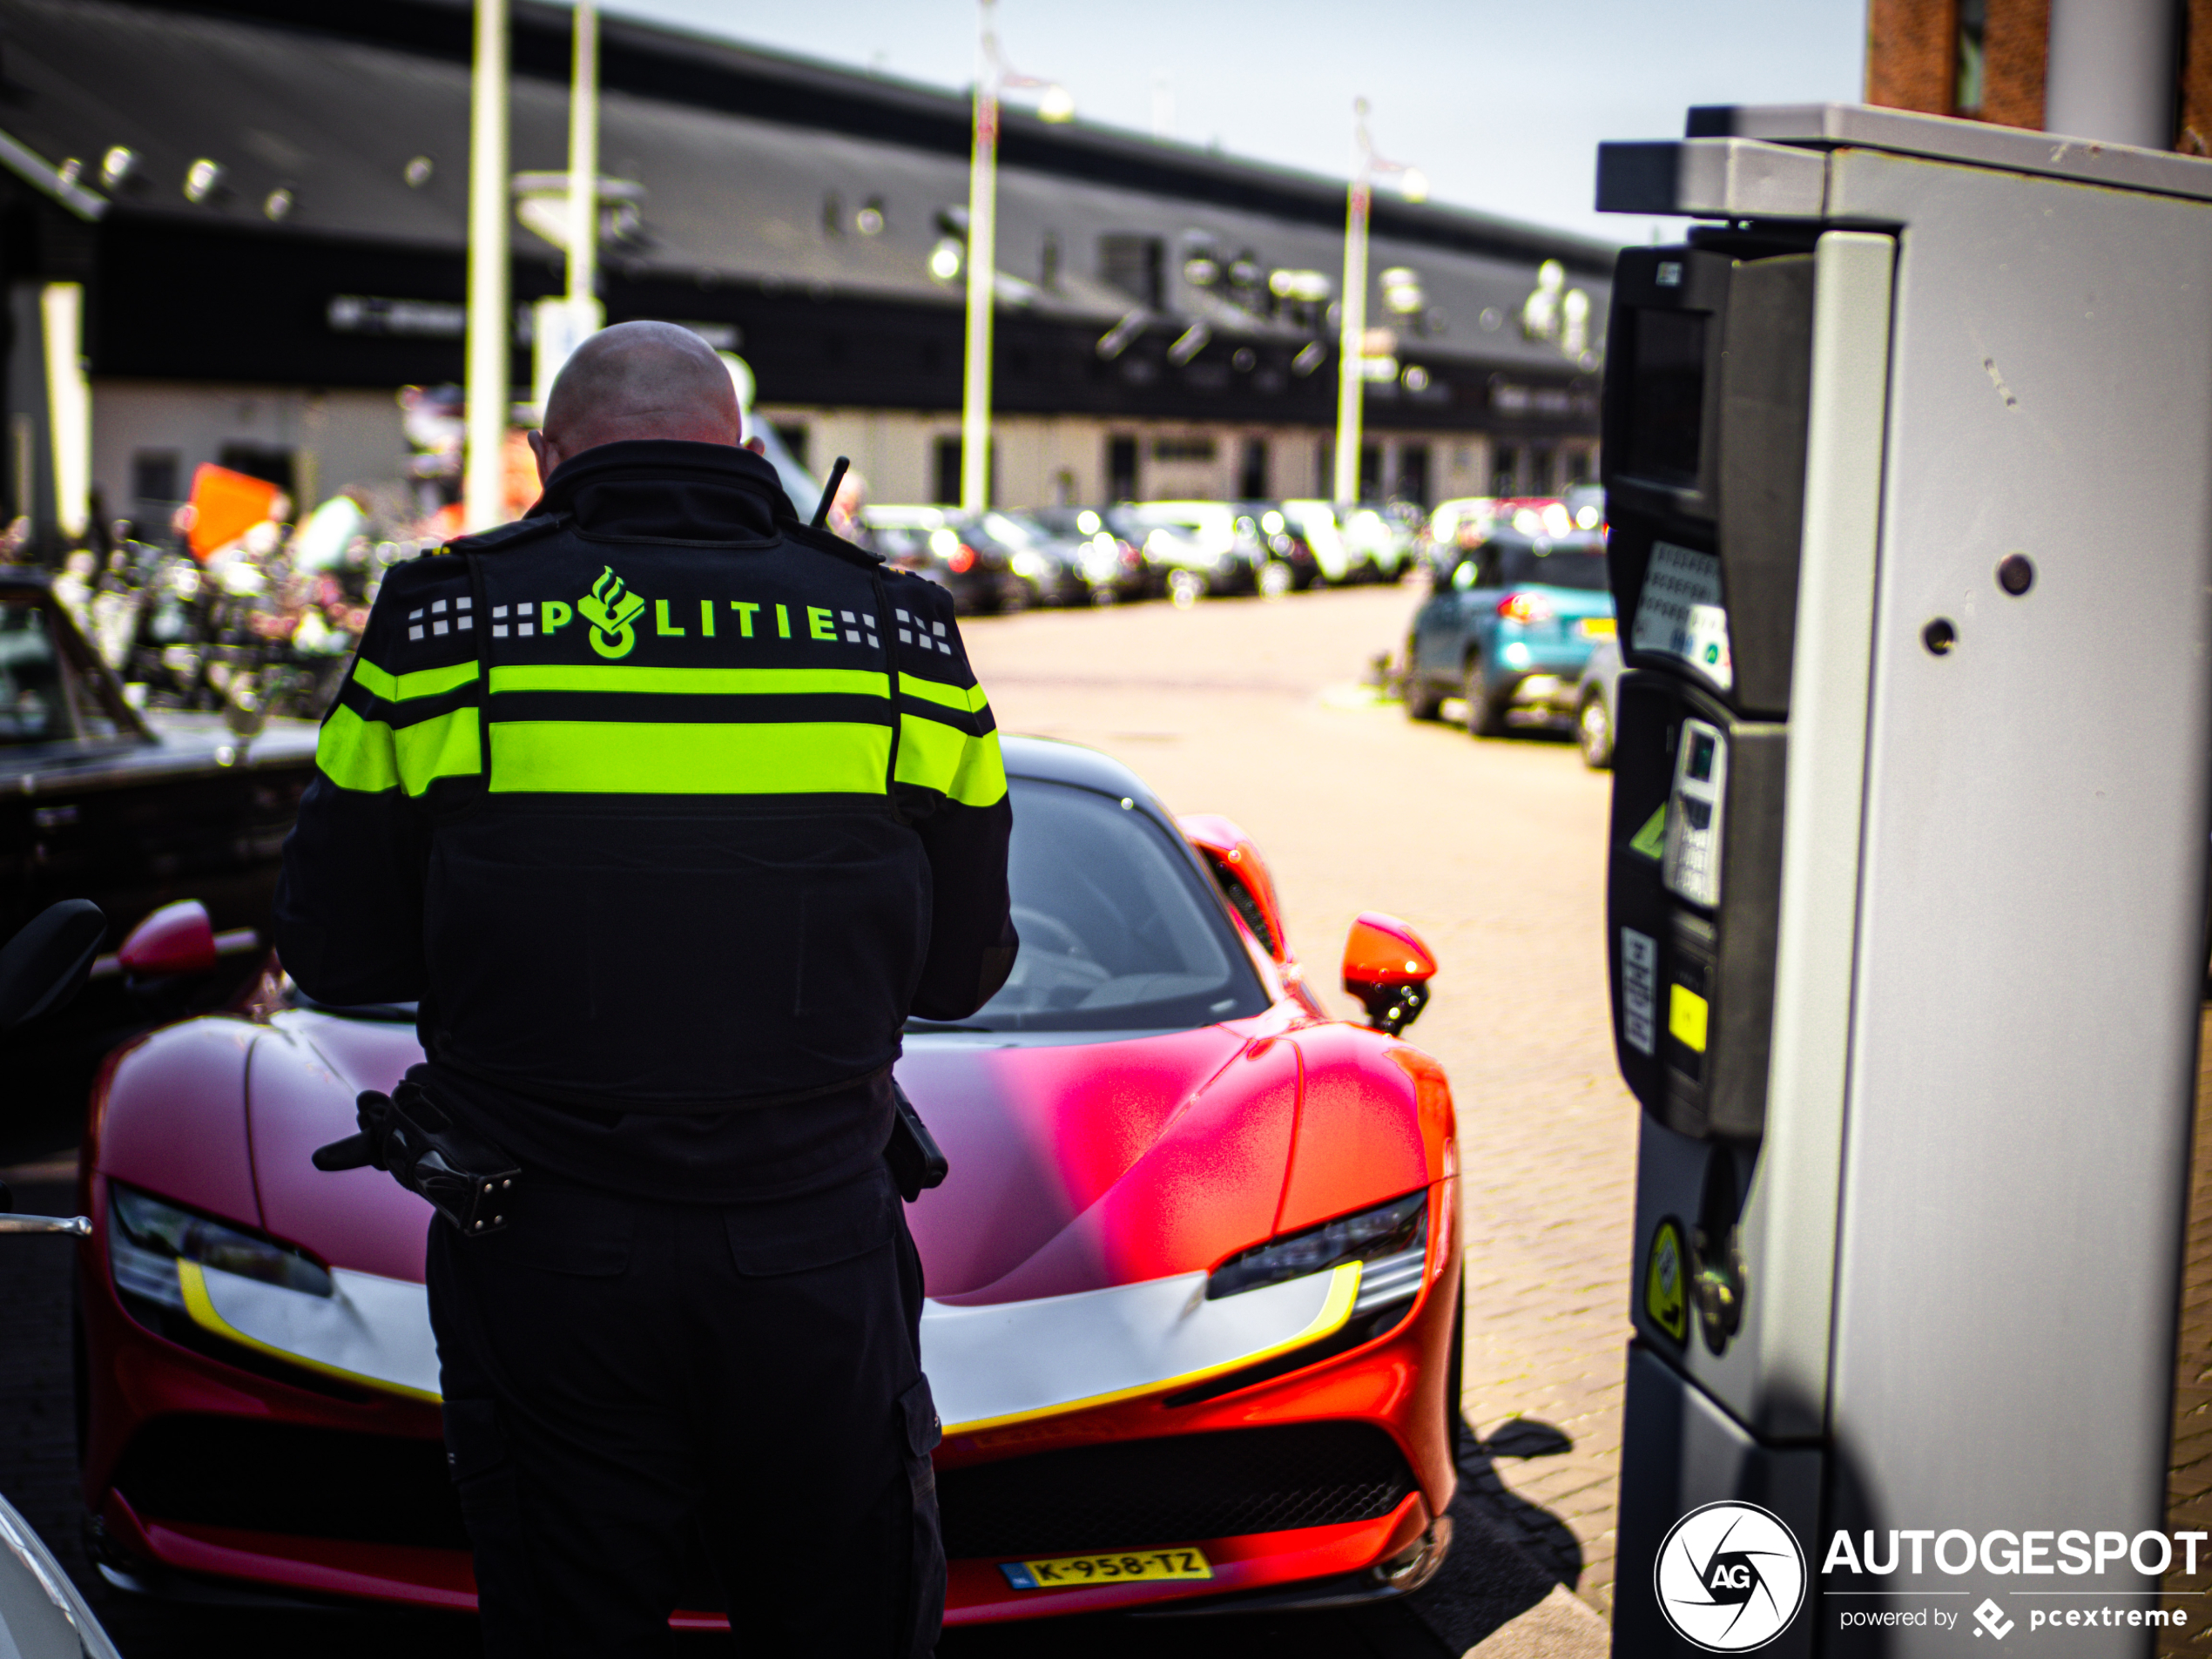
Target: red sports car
1194	1278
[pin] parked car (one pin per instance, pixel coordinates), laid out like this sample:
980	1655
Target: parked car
1200	542
1050	567
1114	567
1194	1317
101	801
1509	627
1378	541
42	1614
1315	523
933	542
1594	704
1269	527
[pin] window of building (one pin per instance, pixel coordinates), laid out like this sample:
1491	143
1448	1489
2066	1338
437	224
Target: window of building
1540	471
1324	468
947	472
1133	264
1120	469
261	461
1578	467
1251	475
1505	471
1370	473
1412	474
1199	449
157	475
1966	86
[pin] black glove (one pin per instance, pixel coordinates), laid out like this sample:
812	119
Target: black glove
466	1180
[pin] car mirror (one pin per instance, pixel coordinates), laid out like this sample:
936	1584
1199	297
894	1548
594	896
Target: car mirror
1243	876
176	939
44	966
1387	967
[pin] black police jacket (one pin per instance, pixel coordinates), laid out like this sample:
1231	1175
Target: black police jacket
657	800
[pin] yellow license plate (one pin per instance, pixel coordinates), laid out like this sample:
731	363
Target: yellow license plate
1600	628
1073	1572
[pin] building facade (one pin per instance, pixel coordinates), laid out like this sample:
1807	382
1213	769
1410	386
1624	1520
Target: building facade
1986	60
262	211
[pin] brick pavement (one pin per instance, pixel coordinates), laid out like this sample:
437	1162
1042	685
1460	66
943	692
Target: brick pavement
1495	851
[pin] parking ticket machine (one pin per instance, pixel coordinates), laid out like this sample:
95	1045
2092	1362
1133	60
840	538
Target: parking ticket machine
1904	893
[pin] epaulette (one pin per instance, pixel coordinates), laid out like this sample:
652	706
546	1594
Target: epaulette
500	537
822	541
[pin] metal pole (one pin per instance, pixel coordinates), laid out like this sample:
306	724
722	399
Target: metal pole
485	483
1352	338
2111	72
583	175
982	265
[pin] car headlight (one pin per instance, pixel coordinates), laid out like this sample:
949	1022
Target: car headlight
146	1238
1390	1240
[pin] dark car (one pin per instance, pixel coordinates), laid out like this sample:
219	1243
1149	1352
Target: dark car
1265	523
1050	567
930	541
1509	627
98	801
1114	567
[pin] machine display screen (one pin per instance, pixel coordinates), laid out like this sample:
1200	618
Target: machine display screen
1701	757
1666	396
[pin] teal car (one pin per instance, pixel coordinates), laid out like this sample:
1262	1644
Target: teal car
1509	627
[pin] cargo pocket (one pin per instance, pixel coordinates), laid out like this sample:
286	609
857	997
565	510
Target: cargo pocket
483	1478
919	1431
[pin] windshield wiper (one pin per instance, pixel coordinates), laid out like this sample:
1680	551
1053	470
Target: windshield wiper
943	1025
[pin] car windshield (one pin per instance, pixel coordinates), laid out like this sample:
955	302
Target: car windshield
1559	567
32	709
1119	931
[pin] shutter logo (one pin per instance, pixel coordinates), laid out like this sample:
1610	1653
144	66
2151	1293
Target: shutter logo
612	610
1730	1577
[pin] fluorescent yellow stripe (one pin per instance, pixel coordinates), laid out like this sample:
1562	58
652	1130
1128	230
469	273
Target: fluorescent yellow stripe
935	756
626	676
445	747
678	757
967	699
424	681
201	1307
1336	1308
355	753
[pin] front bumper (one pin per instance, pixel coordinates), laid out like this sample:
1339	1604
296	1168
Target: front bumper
277	1520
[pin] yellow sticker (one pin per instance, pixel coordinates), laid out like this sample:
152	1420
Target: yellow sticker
1651	840
1663	1300
1686	1017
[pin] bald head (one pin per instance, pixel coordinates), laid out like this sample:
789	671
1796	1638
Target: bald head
638	380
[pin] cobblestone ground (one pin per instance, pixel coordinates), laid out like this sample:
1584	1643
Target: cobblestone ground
1494	850
2188	1479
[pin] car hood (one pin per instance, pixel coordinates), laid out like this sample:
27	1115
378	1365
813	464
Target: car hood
1076	1165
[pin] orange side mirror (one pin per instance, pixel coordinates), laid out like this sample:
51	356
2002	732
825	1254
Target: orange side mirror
1387	967
176	939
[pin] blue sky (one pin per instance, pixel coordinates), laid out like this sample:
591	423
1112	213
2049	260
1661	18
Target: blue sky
1500	104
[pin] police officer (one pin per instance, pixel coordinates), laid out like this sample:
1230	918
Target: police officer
669	810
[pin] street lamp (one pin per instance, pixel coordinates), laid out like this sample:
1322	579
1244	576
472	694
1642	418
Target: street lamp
484	479
1352	340
992	76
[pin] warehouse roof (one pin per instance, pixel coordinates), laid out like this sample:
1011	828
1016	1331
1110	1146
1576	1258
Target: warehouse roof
746	168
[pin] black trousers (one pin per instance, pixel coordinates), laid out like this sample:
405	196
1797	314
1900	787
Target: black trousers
635	1391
